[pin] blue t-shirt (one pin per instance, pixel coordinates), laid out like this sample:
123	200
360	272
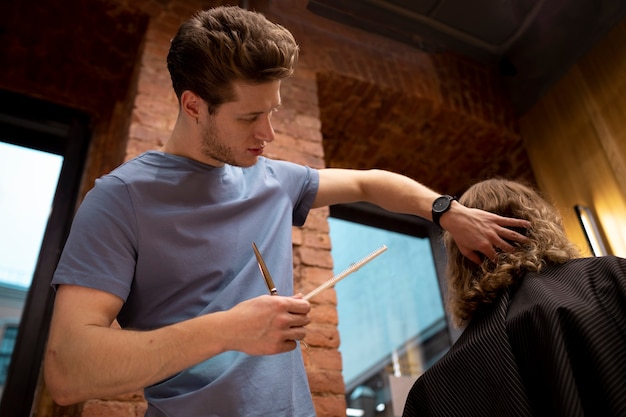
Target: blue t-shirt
173	238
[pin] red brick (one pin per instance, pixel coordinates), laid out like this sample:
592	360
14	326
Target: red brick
326	382
322	335
329	405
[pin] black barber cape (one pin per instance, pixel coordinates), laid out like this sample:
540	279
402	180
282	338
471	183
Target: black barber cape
555	346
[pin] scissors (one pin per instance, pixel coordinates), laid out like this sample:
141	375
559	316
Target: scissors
264	271
268	278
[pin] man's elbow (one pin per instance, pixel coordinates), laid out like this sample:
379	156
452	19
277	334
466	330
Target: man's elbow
59	384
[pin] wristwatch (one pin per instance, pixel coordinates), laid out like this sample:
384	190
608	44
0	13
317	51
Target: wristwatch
440	206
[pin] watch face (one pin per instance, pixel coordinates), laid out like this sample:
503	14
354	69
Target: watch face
441	203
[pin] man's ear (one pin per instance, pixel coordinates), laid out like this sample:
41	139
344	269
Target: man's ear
191	104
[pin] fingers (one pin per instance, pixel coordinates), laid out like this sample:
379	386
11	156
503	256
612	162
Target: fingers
502	245
298	305
489	247
287	342
271	324
288	312
295	322
298	333
479	233
514	236
513	222
494	244
513	230
471	255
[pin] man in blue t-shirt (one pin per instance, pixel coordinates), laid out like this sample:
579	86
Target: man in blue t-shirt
163	243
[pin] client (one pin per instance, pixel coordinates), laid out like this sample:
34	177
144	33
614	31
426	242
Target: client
545	330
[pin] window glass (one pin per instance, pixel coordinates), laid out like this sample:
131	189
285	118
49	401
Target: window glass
28	181
392	321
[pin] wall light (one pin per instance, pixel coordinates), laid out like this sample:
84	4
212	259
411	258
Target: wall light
590	227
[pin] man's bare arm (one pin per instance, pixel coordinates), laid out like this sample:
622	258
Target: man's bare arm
87	358
474	231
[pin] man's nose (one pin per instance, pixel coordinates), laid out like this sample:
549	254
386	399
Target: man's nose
265	130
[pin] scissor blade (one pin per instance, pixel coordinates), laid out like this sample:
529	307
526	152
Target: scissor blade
264	271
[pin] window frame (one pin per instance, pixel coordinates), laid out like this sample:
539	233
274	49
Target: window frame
37	124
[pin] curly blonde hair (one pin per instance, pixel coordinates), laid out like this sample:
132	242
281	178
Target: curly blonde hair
470	285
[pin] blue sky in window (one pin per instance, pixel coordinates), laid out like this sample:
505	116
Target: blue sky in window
28	181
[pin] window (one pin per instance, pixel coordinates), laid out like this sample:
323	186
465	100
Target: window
28	181
392	322
42	152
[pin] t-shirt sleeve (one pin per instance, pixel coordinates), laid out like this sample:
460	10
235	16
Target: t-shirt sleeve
301	183
305	201
101	248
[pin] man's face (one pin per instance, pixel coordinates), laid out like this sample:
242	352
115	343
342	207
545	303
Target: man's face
239	130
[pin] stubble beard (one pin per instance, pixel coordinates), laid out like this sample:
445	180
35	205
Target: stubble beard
215	149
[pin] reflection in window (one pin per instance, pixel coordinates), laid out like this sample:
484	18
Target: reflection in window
8	335
392	323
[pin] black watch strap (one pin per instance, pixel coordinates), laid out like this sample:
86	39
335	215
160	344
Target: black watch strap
441	205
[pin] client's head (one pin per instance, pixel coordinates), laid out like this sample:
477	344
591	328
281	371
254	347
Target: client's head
471	285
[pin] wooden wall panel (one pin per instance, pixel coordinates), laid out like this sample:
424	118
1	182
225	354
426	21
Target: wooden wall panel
576	140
